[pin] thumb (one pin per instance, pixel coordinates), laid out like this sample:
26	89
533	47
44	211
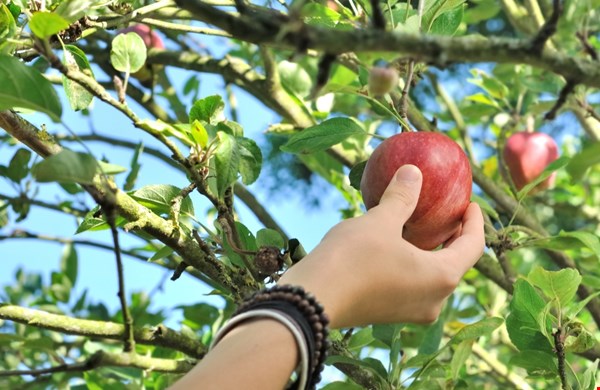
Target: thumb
401	195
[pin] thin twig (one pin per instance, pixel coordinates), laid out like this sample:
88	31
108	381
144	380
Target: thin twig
559	349
562	99
548	29
110	214
377	15
323	71
587	47
404	96
177	201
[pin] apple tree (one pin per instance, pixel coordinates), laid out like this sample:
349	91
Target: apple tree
332	77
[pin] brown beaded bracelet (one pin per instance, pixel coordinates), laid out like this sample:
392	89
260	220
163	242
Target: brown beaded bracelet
306	312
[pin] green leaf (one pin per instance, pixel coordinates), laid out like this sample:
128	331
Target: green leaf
79	97
589	376
25	87
492	85
110	169
560	285
227	162
460	356
3	213
485	206
361	338
484	99
61	287
128	52
522	322
295	78
161	253
385	332
135	168
579	339
435	8
8	26
553	166
448	22
250	160
208	110
75	10
158	198
69	263
573	310
536	363
432	337
200	314
45	24
92	222
472	332
568	240
322	136
580	163
342	386
66	167
18	166
199	134
356	174
269	237
372	365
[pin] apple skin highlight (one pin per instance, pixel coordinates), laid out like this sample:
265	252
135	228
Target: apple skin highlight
446	190
526	155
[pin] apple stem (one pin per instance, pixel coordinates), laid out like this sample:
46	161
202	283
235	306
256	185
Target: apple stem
530	124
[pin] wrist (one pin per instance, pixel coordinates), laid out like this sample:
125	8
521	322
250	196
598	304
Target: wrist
317	280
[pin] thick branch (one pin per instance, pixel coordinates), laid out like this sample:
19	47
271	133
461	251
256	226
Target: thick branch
159	335
106	359
275	29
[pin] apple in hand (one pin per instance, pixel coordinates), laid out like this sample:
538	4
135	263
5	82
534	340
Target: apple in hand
446	190
526	155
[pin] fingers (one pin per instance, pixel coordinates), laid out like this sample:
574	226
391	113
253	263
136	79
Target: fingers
401	195
466	249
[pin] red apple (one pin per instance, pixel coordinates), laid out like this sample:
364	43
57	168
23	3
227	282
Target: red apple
526	155
446	190
151	39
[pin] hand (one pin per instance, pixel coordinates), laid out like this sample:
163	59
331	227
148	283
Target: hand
364	272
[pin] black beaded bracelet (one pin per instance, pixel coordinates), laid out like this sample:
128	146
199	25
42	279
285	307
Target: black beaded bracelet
303	309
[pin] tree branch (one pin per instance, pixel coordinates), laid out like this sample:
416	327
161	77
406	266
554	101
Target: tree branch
159	335
273	29
106	359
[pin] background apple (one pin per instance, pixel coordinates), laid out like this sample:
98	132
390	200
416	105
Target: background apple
526	155
152	41
382	80
446	190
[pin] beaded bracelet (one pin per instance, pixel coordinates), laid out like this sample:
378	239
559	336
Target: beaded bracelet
307	316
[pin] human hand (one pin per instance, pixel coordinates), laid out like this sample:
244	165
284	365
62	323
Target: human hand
364	272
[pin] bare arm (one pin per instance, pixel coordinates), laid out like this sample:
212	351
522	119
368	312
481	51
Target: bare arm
362	272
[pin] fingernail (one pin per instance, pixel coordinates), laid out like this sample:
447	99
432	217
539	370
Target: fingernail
408	173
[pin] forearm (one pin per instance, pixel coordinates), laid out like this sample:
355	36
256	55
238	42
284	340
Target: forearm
260	354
